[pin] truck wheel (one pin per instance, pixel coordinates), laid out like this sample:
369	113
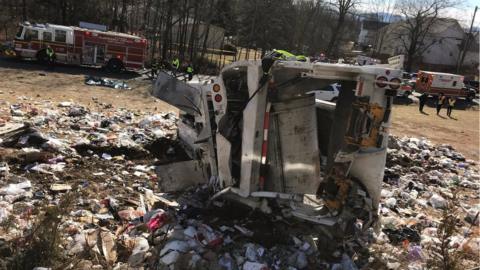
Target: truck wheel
115	65
334	100
42	57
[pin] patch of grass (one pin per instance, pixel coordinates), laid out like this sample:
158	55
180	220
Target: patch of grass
41	245
443	256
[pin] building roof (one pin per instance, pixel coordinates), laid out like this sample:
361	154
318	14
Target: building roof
438	27
443	24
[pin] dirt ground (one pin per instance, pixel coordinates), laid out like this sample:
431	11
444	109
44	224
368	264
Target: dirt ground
461	131
66	83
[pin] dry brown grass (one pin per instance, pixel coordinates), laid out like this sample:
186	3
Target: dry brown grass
462	132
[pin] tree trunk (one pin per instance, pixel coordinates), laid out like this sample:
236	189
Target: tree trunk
146	15
154	31
24	10
64	12
115	15
332	45
167	32
183	39
123	18
207	31
193	33
410	56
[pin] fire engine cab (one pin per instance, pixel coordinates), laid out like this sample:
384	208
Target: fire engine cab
81	46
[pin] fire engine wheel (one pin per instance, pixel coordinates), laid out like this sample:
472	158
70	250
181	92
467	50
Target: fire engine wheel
115	65
42	57
471	96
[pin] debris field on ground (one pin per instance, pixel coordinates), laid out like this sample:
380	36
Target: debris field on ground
78	190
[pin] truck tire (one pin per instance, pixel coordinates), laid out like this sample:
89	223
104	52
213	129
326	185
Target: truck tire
114	65
471	95
334	100
42	57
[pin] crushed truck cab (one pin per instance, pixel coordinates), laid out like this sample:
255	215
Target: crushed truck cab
264	140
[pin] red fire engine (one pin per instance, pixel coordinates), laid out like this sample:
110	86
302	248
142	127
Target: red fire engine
81	46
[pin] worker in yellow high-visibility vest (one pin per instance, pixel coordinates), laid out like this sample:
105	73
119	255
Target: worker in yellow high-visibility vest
175	63
269	59
284	55
190	71
50	57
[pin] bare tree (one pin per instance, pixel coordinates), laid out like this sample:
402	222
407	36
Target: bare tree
189	28
414	33
343	7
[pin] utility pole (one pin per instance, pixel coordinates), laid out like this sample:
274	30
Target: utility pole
465	43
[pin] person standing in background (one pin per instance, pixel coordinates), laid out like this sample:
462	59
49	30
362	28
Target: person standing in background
450	104
440	102
421	101
190	71
51	57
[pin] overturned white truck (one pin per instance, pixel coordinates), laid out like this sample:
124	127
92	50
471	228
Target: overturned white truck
257	137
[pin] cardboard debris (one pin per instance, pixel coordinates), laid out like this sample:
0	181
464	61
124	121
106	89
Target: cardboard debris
60	187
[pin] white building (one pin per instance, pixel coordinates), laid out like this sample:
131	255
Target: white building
445	37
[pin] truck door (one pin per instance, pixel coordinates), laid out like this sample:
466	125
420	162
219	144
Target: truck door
93	54
100	54
88	56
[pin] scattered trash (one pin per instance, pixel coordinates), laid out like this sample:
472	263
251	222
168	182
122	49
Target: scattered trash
415	253
473	215
91	80
108	247
121	215
254	266
60	187
437	201
472	246
139	251
391	202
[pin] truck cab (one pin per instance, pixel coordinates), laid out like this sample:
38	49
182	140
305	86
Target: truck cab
266	137
32	39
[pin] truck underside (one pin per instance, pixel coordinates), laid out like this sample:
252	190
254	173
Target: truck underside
260	139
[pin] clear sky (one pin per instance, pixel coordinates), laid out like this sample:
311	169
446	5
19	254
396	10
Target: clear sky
464	12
